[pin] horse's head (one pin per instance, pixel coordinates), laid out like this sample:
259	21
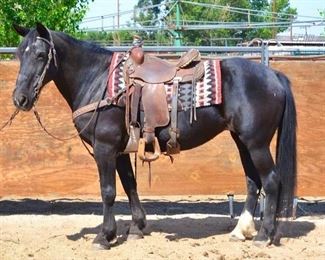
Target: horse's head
37	59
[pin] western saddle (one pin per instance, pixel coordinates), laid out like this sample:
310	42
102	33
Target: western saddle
145	77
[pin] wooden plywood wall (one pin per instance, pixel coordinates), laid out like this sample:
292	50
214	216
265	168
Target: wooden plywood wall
33	164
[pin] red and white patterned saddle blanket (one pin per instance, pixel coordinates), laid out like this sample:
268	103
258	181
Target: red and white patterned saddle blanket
208	89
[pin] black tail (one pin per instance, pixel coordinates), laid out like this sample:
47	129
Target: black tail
286	151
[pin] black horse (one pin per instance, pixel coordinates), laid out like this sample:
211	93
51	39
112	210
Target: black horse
257	101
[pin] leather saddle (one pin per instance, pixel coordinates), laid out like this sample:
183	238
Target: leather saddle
145	77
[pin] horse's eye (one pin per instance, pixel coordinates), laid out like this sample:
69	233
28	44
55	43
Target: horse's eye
41	56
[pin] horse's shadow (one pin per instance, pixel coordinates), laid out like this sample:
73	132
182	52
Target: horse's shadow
174	229
192	228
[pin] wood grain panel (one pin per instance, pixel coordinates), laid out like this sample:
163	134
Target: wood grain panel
308	81
33	164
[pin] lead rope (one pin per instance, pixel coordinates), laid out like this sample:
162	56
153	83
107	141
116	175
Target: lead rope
11	118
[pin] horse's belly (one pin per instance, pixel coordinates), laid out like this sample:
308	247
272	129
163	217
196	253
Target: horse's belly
209	123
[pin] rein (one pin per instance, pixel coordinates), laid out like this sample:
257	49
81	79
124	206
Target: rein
9	122
37	90
92	107
95	106
52	55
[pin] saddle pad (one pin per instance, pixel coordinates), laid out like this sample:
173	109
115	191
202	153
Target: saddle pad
116	81
208	90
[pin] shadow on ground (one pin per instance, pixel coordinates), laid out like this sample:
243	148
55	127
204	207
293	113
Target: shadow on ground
190	228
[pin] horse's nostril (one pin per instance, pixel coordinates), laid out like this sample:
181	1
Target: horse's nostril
21	100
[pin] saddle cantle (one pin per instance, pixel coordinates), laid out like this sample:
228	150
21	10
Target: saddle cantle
145	77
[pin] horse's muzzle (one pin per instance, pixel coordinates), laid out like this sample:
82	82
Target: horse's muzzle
21	101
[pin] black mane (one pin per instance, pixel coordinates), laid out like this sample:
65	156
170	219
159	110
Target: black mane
90	46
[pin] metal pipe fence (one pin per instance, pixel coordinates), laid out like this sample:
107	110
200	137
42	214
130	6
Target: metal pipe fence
263	52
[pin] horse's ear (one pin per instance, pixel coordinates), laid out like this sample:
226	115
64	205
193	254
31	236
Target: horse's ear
23	31
42	31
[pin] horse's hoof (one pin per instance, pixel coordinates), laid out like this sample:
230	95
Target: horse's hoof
134	237
101	246
261	243
134	233
101	243
237	237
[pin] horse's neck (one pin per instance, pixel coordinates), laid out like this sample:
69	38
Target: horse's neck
82	73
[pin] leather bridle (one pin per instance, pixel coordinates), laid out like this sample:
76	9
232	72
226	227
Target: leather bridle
95	106
51	55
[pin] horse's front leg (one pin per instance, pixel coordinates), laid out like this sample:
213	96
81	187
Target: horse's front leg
106	163
125	172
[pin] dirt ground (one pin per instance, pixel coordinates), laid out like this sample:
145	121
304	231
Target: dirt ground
178	228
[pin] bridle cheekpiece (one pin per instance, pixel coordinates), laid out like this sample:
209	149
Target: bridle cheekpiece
51	55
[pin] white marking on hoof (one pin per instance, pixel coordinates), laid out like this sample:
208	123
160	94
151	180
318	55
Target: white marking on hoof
245	228
236	235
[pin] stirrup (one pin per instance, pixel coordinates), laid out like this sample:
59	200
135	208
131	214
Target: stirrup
148	156
134	136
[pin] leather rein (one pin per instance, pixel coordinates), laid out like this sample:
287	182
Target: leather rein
51	55
88	108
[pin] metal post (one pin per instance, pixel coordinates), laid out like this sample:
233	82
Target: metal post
294	208
231	204
274	18
177	35
249	18
265	54
118	14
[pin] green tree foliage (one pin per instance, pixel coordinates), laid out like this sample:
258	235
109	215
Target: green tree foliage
108	38
199	13
61	15
151	17
222	15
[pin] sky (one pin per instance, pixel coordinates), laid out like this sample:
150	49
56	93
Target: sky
105	7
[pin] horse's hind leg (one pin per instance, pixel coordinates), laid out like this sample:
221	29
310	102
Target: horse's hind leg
270	179
125	172
245	228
